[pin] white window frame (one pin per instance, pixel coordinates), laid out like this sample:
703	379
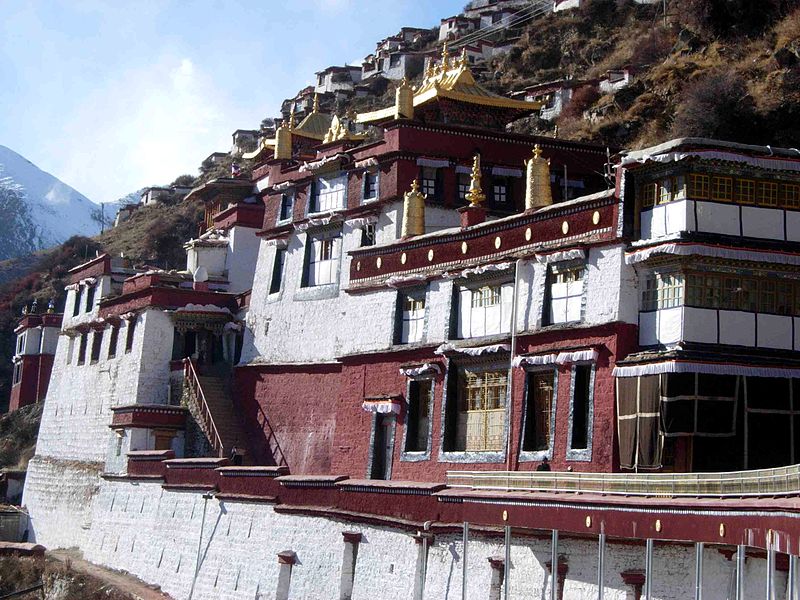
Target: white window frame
323	260
412	318
485	309
566	294
21	342
376	194
330	193
289	194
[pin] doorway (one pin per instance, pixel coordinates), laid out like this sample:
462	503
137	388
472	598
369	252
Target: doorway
382	446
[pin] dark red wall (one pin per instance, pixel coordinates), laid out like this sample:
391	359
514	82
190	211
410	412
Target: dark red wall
34	380
301	405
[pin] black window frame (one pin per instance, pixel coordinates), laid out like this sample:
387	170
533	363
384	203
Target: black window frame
130	333
278	270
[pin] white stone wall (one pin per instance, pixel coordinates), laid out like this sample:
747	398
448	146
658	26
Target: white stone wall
280	325
154	534
241	258
74	435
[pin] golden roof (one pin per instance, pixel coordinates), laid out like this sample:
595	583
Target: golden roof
266	145
339	131
452	78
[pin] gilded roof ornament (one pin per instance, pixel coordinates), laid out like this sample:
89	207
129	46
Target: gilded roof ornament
291	120
315	107
475	194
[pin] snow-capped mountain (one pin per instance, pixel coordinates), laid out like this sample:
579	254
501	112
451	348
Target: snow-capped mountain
37	210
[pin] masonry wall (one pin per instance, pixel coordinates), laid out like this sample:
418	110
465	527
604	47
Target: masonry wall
73	436
154	534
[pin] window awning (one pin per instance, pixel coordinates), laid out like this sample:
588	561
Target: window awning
683	366
725	252
474	350
561	358
432	162
561	256
381	404
429	369
506	172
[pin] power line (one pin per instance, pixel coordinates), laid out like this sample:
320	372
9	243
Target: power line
523	15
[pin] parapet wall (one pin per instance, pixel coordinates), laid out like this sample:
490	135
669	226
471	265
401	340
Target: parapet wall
247	531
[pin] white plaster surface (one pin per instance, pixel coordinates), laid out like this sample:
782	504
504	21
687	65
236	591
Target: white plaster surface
154	534
714	217
699	325
793	225
760	222
775	331
737	328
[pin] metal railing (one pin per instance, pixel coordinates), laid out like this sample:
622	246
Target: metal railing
763	482
199	409
272	440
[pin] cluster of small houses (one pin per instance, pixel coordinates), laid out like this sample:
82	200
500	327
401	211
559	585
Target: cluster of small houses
406	55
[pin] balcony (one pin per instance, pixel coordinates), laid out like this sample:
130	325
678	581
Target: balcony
718	326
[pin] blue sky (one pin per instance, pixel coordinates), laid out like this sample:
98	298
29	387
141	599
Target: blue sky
112	96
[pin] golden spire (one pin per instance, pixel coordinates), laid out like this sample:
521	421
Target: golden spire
445	58
413	211
315	107
291	120
464	59
475	194
537	184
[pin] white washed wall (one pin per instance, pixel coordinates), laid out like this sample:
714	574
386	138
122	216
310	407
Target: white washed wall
154	534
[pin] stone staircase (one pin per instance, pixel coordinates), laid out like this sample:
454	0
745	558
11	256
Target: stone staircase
209	402
220	406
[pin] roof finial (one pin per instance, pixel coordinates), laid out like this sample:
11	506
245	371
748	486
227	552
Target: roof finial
445	57
464	59
537	151
475	194
315	107
291	120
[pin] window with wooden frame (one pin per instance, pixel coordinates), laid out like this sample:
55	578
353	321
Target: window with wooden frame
581	427
429	177
329	193
287	206
500	190
666	190
97	343
767	193
420	397
662	290
82	348
278	267
464	182
649	191
485	310
537	435
76	307
112	342
129	334
411	324
89	297
17	377
722	188
370	189
322	266
745	191
565	294
703	290
790	195
699	186
483	401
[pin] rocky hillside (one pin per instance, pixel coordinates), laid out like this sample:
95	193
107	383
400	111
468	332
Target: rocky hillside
37	210
727	69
